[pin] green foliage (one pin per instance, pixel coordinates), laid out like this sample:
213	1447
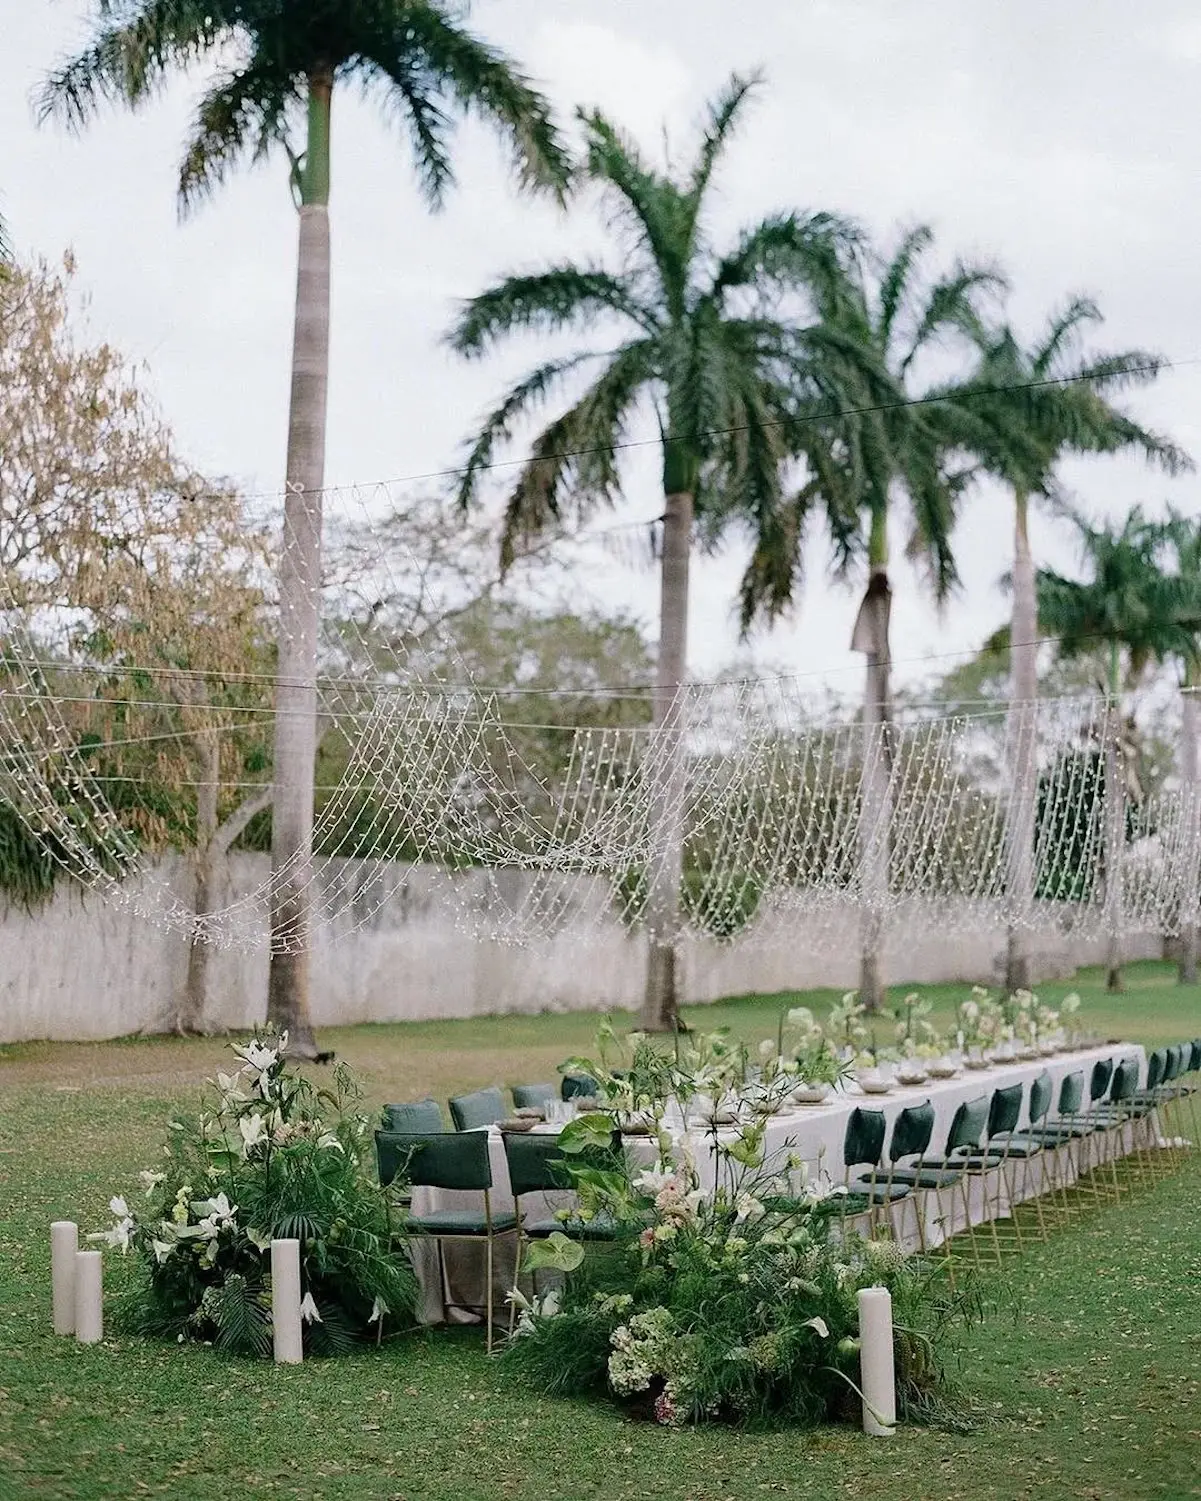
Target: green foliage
264	1164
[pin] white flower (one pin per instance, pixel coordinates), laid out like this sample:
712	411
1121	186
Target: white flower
655	1179
329	1140
254	1131
308	1310
766	1048
257	1056
259	1239
162	1249
801	1016
151	1180
747	1207
820	1326
119	1207
378	1309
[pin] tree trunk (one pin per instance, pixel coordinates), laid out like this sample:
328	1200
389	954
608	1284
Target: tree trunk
288	1001
1023	728
1115	828
190	1019
661	1001
871	636
1192	829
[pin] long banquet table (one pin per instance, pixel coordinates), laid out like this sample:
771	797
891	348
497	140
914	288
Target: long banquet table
814	1134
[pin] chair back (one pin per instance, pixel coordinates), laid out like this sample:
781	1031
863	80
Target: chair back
527	1096
413	1115
864	1139
1071	1093
1195	1061
1175	1064
911	1132
483	1107
1005	1110
578	1086
1157	1065
434	1159
1125	1080
967	1125
1040	1097
537	1163
1102	1074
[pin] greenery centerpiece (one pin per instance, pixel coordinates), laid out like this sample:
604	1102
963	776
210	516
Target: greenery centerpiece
270	1157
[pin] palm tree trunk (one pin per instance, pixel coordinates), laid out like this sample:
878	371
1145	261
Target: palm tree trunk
1192	829
1115	825
288	999
661	1001
1023	723
190	1019
871	636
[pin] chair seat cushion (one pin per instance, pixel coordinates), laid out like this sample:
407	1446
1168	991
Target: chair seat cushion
865	1193
1061	1131
1018	1144
460	1222
601	1227
928	1176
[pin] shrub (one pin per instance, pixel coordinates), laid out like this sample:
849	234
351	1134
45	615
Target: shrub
273	1158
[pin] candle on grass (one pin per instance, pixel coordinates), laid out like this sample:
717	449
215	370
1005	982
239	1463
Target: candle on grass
64	1242
89	1302
285	1301
877	1377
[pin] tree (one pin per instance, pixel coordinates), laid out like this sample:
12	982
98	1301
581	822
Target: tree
1182	538
1035	405
1120	606
279	62
142	582
911	438
702	339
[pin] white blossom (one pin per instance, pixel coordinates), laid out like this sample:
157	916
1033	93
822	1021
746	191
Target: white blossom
253	1129
308	1310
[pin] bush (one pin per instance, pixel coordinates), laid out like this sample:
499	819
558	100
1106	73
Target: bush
274	1158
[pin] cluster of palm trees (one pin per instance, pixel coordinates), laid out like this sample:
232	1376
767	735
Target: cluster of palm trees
793	374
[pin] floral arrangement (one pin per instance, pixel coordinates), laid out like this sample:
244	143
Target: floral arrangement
916	1035
731	1305
269	1157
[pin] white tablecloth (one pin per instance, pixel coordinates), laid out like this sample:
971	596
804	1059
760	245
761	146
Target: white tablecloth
815	1134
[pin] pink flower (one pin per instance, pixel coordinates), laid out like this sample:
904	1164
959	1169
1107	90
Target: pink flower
666	1411
647	1239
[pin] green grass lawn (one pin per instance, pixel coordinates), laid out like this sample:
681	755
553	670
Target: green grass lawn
1086	1376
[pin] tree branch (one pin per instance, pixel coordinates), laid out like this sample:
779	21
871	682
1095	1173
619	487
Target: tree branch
237	821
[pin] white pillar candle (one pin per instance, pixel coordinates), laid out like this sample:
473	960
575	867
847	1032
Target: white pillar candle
285	1301
89	1304
64	1242
877	1376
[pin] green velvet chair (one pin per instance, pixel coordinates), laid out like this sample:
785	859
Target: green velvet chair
413	1115
448	1160
950	1171
529	1096
483	1107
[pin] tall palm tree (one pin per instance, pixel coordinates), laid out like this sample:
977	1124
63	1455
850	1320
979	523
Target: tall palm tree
1182	536
280	62
1036	405
910	448
704	341
1120	607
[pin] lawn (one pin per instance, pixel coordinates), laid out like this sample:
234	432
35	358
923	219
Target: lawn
1085	1376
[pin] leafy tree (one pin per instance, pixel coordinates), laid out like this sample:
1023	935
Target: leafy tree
1035	405
279	64
144	586
729	366
1121	606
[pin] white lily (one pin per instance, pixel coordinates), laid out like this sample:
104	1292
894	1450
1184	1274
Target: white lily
259	1239
378	1309
253	1129
308	1310
151	1180
748	1208
329	1141
162	1249
119	1207
654	1179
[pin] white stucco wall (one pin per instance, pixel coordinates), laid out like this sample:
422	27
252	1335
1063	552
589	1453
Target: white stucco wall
83	968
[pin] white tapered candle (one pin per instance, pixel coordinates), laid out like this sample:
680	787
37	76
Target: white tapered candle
877	1376
89	1297
64	1242
285	1301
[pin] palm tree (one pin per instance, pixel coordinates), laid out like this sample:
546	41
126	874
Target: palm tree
705	340
1121	607
1182	536
1034	406
280	61
909	446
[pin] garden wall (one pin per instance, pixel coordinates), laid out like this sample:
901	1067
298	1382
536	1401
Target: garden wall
84	968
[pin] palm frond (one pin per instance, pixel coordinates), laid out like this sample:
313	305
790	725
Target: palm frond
245	112
898	276
136	46
721	118
547	302
485	82
1062	334
411	95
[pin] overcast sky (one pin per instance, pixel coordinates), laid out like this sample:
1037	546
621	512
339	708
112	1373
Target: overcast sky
1062	140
